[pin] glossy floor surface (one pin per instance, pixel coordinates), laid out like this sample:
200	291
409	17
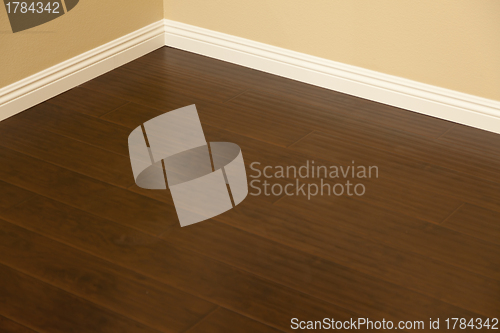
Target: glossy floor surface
83	249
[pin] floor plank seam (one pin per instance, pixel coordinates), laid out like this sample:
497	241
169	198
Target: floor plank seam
451	214
385	244
20	202
446	132
302	138
353	117
154	108
20	324
184	247
132	185
284	196
80	298
438	200
281	198
87	143
105	114
339	264
234	97
153	277
65	168
217	307
429	164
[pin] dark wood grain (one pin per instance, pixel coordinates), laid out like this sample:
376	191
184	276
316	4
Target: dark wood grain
27	137
400	232
86	101
108	285
262	126
367	253
476	221
133	115
47	309
189	64
386	191
311	274
37	208
77	235
12	195
416	176
348	128
77	126
223	320
9	326
132	82
179	267
81	191
472	139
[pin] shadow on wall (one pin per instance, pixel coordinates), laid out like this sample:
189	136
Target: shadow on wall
28	14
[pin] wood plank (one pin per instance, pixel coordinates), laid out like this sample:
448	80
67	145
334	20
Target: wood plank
476	221
232	288
441	207
387	191
27	138
12	195
186	63
449	211
381	115
47	309
120	290
217	117
192	65
133	115
401	232
114	138
261	126
99	201
93	103
211	69
472	139
319	235
220	116
7	325
310	274
86	193
142	84
431	200
382	255
222	321
346	128
35	175
77	126
411	175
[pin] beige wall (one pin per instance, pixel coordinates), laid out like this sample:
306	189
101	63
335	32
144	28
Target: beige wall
453	44
90	24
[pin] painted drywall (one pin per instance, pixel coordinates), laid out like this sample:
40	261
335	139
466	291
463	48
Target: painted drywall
90	24
453	44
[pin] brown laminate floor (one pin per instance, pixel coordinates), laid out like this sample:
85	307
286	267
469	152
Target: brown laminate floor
83	249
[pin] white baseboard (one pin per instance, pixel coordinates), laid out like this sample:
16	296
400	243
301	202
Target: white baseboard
395	91
55	80
403	93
